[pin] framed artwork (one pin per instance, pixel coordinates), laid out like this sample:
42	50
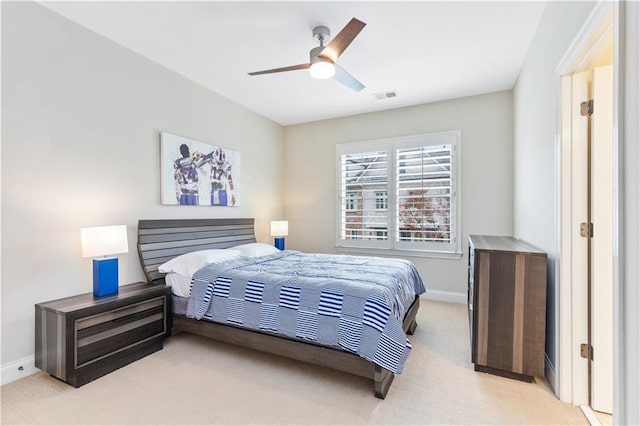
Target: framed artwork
195	173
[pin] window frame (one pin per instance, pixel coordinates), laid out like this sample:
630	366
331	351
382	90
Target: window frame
351	202
381	200
392	245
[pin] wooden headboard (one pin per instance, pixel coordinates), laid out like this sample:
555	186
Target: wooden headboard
161	240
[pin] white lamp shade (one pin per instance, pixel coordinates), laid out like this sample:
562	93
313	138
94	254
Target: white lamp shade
279	228
104	240
322	69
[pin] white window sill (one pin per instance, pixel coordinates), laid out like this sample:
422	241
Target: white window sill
400	253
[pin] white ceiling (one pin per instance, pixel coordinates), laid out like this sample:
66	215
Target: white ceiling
426	51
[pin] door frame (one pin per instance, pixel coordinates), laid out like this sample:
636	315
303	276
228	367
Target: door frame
567	380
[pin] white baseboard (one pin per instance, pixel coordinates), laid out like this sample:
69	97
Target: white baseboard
446	296
18	369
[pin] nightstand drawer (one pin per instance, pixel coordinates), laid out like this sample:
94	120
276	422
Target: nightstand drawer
107	333
118	314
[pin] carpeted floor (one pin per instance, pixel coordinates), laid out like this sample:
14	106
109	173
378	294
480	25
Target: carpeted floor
198	381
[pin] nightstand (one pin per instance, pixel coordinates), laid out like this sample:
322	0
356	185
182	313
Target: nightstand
81	338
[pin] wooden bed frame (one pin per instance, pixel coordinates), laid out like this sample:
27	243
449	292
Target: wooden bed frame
161	240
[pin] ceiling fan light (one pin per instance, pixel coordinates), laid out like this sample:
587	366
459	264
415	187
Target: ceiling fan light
322	70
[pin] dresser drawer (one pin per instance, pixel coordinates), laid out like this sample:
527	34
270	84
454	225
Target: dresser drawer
107	333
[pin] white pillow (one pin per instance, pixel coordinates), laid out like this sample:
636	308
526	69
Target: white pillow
255	249
187	264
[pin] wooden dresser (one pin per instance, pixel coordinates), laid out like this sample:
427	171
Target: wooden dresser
507	306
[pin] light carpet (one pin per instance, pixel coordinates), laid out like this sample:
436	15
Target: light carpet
194	380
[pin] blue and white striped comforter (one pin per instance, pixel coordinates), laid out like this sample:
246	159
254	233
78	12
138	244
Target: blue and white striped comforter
351	302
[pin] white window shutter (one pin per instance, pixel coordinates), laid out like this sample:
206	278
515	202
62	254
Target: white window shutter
400	193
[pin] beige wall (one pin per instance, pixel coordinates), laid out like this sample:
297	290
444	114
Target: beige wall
487	173
80	147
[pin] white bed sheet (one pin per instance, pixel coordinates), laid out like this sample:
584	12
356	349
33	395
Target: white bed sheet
180	284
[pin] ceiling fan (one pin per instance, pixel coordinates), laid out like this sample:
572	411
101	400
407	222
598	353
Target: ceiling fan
322	59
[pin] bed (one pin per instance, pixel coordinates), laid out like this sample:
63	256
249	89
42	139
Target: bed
160	241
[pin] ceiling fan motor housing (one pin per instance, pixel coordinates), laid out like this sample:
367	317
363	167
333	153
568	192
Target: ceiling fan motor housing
313	55
321	34
320	67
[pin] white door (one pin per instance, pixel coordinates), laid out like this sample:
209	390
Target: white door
579	208
602	241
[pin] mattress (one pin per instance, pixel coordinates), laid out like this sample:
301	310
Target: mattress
180	284
179	304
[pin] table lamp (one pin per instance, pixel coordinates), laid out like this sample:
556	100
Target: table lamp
279	229
103	241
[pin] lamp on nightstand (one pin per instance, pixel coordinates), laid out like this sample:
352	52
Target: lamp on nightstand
104	241
279	229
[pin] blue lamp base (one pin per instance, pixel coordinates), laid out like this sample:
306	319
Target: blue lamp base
279	243
105	276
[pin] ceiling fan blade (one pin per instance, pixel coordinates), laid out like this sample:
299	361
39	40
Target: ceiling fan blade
347	79
283	69
341	41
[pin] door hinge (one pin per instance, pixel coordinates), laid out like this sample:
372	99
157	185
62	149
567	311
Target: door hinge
586	351
586	108
586	230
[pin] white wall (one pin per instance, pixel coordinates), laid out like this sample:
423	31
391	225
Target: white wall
487	172
535	104
80	147
627	349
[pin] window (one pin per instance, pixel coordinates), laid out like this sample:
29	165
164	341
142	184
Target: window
350	201
407	193
363	174
381	200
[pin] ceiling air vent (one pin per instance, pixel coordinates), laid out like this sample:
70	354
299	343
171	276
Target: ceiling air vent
385	95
